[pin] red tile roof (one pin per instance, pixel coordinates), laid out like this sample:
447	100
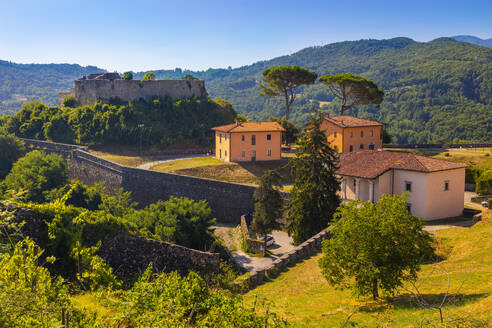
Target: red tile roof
370	164
345	121
249	127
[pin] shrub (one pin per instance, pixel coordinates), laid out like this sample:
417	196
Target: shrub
11	149
128	76
484	183
36	173
149	76
69	101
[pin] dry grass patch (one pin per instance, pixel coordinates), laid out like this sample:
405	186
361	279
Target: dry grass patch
304	297
212	168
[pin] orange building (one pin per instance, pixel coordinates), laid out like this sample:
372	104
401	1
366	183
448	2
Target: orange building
248	141
348	133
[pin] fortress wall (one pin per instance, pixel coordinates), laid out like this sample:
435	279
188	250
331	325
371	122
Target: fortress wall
228	201
90	91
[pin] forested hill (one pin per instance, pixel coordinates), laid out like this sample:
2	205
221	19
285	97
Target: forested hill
435	91
474	40
21	82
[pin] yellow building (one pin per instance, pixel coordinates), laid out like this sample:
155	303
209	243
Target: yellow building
248	141
348	133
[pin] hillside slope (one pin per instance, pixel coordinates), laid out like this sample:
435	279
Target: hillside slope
435	91
303	295
21	82
473	39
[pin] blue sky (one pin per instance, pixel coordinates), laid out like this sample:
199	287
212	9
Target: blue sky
198	34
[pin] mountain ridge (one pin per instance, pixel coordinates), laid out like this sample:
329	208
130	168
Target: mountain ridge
435	91
474	40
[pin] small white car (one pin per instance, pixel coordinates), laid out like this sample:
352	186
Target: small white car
269	240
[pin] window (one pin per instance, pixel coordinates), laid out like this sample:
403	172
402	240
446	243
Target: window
372	132
253	139
243	154
446	185
269	137
269	152
336	148
371	146
409	208
225	137
220	153
408	186
351	134
362	134
220	137
242	137
361	146
335	134
225	153
351	148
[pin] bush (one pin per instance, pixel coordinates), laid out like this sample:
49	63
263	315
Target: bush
149	76
484	183
178	220
128	76
30	297
69	101
165	122
11	149
35	174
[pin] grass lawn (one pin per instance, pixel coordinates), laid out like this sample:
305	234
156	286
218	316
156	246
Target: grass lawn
475	157
471	157
303	296
128	160
212	168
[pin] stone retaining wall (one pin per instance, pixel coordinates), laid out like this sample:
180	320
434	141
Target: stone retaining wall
254	245
126	253
306	249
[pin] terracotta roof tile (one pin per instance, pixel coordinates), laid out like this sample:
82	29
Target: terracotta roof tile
249	127
346	121
370	164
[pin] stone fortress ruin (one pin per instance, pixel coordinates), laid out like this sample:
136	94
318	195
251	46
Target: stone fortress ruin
103	87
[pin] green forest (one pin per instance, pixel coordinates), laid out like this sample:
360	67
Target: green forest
23	82
158	122
54	276
435	91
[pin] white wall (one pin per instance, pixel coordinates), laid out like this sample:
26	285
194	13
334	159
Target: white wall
418	196
383	185
442	203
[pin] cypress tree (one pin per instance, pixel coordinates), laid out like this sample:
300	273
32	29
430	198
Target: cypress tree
314	195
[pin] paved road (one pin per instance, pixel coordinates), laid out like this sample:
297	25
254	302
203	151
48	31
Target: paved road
282	245
148	166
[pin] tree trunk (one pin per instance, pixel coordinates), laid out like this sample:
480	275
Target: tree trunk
375	293
287	106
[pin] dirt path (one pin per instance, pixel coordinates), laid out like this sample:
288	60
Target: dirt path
148	166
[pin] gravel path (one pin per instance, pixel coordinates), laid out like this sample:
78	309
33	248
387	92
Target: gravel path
282	245
148	166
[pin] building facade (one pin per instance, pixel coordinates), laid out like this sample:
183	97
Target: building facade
348	133
248	141
105	87
435	187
